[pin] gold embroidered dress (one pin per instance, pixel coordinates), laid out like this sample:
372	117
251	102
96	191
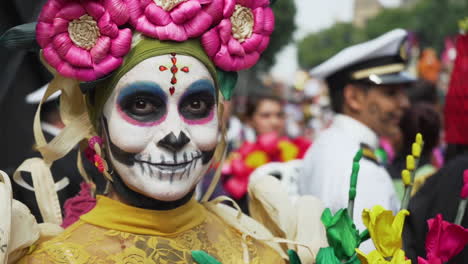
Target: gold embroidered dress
114	232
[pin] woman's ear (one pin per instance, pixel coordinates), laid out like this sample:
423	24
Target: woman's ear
353	98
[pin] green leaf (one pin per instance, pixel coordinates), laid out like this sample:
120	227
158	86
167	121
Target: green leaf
342	234
227	82
327	256
201	257
20	37
293	257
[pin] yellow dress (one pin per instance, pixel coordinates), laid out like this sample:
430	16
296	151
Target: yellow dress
117	233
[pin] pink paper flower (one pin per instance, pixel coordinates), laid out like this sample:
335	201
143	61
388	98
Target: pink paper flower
239	39
444	241
81	39
464	192
78	205
177	20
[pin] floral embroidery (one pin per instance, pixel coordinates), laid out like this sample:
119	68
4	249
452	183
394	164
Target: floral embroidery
67	253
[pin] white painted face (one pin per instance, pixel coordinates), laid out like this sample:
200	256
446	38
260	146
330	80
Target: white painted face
161	126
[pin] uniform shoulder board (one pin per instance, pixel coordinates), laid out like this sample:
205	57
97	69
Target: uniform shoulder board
368	153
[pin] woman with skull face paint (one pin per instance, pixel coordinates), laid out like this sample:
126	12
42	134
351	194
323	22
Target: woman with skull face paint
154	75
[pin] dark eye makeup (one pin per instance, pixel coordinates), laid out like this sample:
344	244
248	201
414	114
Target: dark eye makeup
198	100
143	101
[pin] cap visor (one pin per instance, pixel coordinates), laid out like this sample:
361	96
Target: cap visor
390	79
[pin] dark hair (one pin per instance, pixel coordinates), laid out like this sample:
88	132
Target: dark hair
421	118
254	100
423	92
336	86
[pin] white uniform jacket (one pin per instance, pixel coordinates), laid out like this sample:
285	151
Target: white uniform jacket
328	164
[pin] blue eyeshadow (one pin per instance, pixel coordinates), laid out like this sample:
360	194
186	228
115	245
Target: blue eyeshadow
200	86
146	87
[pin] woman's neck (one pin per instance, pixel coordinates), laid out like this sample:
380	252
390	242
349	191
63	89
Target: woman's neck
121	192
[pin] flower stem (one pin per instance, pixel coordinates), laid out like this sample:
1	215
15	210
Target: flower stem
353	182
461	211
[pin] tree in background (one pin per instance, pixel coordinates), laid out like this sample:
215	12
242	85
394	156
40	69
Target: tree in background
431	20
285	25
318	47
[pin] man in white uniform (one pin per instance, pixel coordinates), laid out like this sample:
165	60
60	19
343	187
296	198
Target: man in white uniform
366	85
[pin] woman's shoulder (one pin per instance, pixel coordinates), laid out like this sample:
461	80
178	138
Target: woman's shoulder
71	246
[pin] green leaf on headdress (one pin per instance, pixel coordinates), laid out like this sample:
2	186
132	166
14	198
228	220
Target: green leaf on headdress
463	25
201	257
227	83
272	2
293	257
20	37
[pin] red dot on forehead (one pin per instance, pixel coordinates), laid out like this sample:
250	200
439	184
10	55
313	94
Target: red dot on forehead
172	90
185	69
162	68
173	80
174	60
174	69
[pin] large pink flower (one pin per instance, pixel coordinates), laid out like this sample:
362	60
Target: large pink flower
81	39
239	39
444	241
177	20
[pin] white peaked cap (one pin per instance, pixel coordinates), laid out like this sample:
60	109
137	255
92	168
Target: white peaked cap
387	45
36	96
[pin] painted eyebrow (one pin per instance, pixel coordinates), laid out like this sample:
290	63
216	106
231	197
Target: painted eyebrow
199	86
136	87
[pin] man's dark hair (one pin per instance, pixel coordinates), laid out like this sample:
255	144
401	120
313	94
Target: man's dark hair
423	92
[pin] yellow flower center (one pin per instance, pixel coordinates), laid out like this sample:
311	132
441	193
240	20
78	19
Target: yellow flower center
168	5
84	32
242	21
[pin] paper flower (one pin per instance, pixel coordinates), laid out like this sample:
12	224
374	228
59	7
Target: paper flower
342	234
251	155
444	241
385	229
464	191
328	256
78	205
81	39
375	257
239	39
177	20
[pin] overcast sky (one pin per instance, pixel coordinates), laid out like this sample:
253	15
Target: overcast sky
314	15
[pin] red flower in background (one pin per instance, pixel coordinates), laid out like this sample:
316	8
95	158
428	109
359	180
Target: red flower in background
268	148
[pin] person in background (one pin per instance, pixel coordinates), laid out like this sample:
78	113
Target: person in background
264	114
440	194
367	84
422	117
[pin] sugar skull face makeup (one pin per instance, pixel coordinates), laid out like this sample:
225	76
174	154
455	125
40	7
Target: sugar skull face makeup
161	126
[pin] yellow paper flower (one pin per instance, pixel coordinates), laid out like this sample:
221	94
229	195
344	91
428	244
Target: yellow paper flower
385	229
376	258
256	159
289	151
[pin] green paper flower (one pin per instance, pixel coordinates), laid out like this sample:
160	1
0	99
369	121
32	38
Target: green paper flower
293	257
342	234
327	256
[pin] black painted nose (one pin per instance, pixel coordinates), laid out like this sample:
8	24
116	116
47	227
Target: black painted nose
172	143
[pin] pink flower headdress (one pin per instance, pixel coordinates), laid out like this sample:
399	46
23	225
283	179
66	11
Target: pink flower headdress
87	39
239	39
82	39
177	20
